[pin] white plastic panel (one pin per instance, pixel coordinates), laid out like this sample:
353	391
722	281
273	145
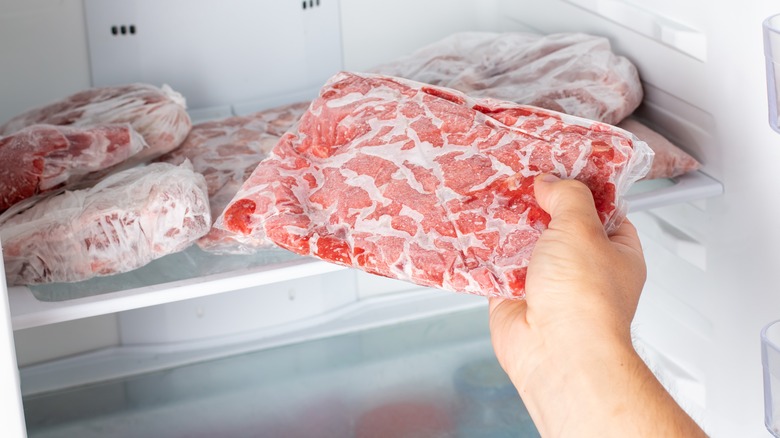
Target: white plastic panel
215	53
651	24
27	311
240	311
11	413
44	343
128	360
378	31
432	377
692	186
43	53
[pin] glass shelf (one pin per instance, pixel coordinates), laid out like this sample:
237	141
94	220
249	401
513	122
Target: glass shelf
195	273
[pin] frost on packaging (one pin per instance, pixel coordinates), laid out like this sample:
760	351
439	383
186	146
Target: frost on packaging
574	73
158	114
41	158
426	184
226	152
127	220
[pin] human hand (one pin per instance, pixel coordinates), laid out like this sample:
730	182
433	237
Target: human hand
567	347
582	286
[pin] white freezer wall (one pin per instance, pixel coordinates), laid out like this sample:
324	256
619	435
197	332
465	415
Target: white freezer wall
43	43
44	53
714	266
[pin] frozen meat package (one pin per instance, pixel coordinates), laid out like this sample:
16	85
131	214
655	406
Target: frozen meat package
670	161
426	184
125	221
226	151
158	114
41	158
573	73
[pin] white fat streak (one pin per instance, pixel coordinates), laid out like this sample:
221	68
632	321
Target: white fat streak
345	100
412	213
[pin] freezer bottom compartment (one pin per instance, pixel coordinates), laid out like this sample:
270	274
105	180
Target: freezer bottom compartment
432	377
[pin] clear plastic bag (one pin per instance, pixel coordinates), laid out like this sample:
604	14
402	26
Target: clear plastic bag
574	73
124	222
426	184
158	114
670	161
42	158
226	152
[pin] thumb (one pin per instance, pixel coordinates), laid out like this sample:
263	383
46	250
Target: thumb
568	202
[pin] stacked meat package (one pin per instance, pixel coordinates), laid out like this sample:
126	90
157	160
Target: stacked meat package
421	170
125	221
53	232
574	73
226	152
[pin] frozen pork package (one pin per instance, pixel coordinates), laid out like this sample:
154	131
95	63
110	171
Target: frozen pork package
574	73
127	220
426	184
226	152
41	158
158	114
669	161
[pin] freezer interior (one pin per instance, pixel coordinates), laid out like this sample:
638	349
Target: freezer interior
435	376
239	345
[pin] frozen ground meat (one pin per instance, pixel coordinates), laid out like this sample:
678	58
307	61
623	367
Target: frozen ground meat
127	220
425	184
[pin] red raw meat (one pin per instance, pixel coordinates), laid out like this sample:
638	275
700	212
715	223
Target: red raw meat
226	152
670	161
41	158
425	184
158	114
127	220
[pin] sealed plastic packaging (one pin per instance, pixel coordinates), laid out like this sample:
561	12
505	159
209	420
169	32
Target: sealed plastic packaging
42	158
426	184
574	73
158	114
669	160
124	222
226	152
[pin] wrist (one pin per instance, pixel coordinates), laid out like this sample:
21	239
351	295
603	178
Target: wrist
568	384
562	349
596	391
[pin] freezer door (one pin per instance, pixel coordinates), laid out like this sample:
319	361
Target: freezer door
11	414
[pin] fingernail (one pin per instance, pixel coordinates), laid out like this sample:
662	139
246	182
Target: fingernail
548	177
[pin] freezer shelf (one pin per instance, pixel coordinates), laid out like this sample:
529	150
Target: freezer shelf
189	274
435	376
193	273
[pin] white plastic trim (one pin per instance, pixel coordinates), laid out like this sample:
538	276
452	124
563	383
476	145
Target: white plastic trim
689	187
687	40
28	312
11	412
